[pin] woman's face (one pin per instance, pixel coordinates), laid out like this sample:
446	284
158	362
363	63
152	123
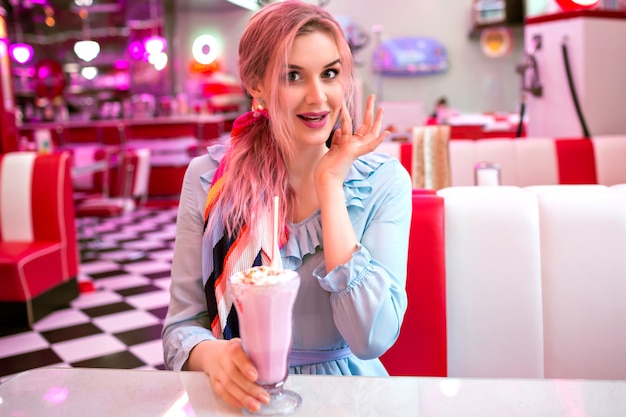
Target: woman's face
312	92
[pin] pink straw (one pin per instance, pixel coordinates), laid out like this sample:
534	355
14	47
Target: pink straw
275	254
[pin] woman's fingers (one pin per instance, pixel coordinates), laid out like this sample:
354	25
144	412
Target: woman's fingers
365	128
235	380
346	121
368	133
378	124
372	121
226	394
241	360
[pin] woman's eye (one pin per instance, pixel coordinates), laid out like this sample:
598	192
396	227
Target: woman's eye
330	73
293	76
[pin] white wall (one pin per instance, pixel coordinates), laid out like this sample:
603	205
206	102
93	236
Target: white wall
474	82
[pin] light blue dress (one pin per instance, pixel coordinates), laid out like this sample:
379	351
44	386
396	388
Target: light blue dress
359	305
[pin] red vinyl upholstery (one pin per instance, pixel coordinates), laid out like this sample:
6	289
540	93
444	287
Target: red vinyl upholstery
421	347
576	161
406	156
38	247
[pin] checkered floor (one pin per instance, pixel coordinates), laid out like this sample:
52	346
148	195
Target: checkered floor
118	324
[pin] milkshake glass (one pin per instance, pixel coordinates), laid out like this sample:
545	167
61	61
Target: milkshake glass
264	299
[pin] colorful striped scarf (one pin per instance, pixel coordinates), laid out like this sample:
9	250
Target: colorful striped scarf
227	255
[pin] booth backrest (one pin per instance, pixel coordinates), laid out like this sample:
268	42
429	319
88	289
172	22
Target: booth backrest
535	280
493	282
134	163
583	253
36	202
142	174
535	161
610	154
576	161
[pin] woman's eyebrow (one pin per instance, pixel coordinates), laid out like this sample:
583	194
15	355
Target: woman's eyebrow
335	62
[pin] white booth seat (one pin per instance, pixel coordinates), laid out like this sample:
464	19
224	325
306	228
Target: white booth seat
493	282
583	258
610	153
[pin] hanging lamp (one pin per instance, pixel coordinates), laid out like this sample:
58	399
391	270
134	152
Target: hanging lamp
86	49
19	51
154	45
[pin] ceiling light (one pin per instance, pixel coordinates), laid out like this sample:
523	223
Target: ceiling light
87	50
246	4
155	44
204	49
89	72
158	60
21	52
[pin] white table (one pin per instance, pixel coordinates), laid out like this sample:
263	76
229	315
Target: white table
73	392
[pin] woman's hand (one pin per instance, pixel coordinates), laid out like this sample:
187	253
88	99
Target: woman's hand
347	145
232	374
340	241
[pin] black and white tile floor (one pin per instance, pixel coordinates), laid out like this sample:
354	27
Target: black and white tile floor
118	324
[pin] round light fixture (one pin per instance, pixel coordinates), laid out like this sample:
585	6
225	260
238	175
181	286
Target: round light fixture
158	60
136	50
89	72
496	42
204	49
154	45
21	53
87	50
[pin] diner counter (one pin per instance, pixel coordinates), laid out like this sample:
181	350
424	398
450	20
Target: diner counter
73	392
133	121
116	131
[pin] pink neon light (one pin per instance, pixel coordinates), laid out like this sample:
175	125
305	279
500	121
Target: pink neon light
21	52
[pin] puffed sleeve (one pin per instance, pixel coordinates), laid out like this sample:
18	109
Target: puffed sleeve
187	323
368	294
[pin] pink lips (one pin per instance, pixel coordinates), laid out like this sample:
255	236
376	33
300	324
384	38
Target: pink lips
314	120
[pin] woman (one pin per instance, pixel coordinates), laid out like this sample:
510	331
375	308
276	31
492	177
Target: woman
345	212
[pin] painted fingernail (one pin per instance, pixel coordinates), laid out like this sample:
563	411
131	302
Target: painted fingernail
253	406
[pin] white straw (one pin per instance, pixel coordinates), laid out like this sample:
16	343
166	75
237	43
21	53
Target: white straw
275	253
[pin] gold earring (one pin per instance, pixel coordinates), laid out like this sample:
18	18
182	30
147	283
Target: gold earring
258	105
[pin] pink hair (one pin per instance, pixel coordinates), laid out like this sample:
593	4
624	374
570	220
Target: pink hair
255	161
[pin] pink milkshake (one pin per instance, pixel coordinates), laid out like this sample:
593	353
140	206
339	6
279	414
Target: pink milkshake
264	299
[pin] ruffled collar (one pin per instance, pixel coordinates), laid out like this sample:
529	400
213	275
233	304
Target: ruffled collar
216	153
306	236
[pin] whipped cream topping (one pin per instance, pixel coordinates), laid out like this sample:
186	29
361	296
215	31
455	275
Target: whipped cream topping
261	275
